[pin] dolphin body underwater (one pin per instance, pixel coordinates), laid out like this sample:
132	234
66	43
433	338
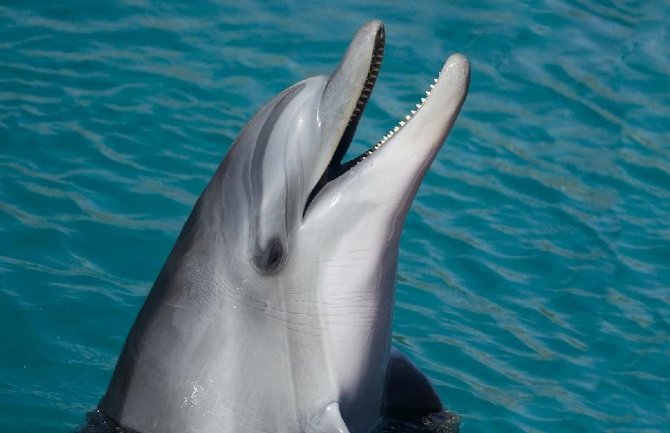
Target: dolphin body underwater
273	310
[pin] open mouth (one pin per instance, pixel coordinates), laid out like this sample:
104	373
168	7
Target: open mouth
336	167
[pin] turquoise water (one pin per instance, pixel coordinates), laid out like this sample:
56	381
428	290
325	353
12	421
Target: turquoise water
534	275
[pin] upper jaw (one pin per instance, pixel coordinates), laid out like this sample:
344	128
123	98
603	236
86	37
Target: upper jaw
344	98
353	81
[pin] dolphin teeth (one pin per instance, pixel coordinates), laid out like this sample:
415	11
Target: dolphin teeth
401	123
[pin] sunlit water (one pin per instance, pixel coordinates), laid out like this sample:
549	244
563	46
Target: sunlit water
534	275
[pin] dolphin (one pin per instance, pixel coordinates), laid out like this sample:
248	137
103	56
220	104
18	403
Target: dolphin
273	310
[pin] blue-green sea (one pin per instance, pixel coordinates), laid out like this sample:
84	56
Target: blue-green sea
534	275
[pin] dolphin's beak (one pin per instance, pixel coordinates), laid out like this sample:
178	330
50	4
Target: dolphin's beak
390	172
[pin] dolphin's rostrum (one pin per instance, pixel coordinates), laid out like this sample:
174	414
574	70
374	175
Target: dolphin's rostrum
273	311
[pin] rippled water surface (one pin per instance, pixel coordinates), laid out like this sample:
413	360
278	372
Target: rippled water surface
534	275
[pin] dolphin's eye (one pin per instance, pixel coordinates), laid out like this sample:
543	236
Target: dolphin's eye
269	259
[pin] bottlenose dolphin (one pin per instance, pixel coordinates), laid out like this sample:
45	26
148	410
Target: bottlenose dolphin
273	310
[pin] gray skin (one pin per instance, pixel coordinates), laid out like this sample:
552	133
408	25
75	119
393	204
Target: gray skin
273	311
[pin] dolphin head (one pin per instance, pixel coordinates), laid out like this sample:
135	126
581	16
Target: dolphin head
283	186
315	239
283	276
286	152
